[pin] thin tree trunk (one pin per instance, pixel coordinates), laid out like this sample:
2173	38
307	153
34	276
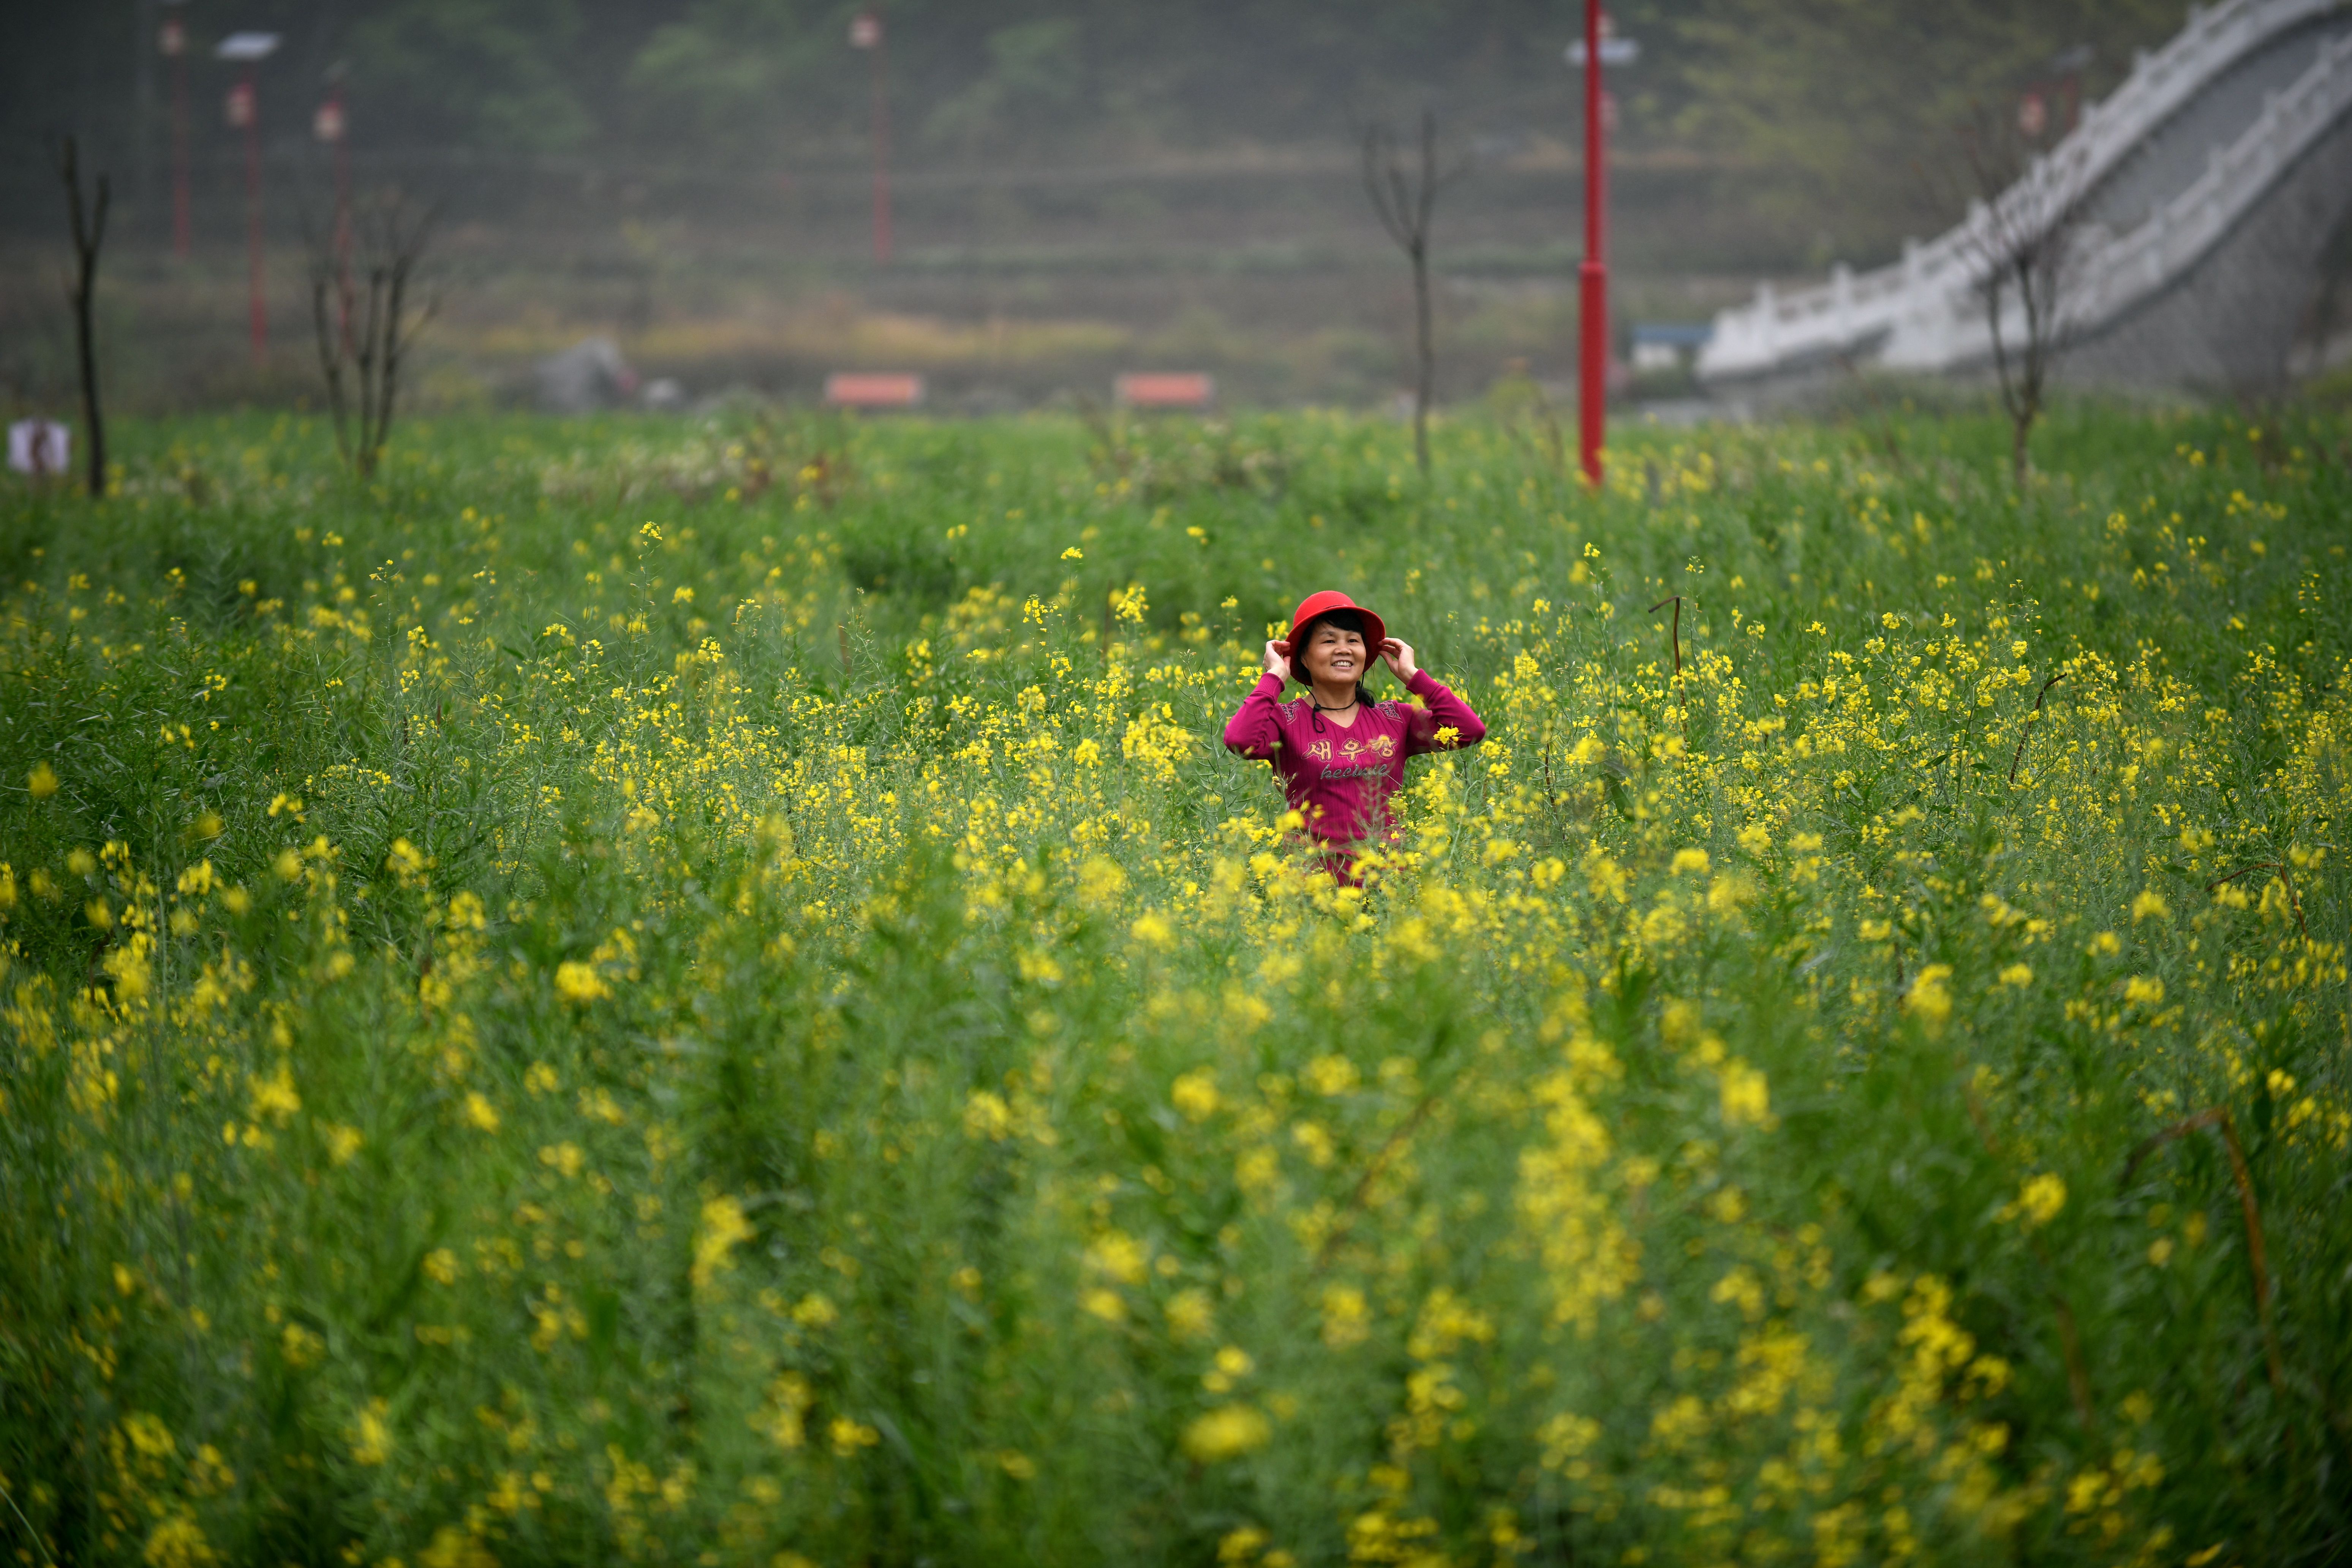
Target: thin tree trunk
1425	384
1405	208
88	237
392	347
331	365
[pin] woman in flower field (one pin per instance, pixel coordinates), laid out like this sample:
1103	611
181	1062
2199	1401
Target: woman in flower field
1339	755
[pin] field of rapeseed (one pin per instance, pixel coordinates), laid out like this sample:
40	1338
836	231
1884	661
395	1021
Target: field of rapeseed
705	993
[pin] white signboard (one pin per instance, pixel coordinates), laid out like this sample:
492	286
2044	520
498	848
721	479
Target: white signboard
1613	52
247	46
39	447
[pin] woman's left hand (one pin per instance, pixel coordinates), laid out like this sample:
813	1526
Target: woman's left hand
1398	656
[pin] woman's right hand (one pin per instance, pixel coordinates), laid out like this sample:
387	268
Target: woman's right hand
1277	657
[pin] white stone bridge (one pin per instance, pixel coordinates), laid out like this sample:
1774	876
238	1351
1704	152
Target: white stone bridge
2197	198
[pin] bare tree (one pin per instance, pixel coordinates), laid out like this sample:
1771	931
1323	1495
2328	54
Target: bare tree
364	318
1406	202
2025	229
89	238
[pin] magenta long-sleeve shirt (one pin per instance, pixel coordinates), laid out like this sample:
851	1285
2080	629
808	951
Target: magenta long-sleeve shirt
1339	778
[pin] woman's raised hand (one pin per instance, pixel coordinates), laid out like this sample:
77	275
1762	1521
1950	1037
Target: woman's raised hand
1398	656
1277	657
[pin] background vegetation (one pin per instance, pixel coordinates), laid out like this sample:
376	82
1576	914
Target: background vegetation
661	991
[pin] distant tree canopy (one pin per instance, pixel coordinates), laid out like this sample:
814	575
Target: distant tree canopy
1857	104
1804	111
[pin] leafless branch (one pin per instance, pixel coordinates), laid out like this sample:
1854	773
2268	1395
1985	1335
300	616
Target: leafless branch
365	321
1406	203
2025	229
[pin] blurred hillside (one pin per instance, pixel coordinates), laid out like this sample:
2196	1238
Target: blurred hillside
1168	178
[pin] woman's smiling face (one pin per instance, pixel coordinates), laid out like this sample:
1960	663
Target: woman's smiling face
1334	656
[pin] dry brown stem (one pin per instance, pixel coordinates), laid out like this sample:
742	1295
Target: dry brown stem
2026	730
2257	1257
1675	634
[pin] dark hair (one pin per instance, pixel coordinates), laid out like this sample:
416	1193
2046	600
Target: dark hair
1338	620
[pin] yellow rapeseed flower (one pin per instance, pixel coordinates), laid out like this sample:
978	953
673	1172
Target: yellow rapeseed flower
723	1229
1226	1433
985	1115
1745	1097
1100	878
274	1096
1346	1318
42	783
577	981
1330	1075
370	1436
849	1435
1119	1255
1195	1094
178	1542
2149	905
2039	1201
1929	999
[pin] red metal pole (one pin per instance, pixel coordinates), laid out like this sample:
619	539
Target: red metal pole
182	226
253	217
881	152
1592	278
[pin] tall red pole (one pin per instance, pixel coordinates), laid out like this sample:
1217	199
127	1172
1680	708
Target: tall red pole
253	217
881	150
1592	277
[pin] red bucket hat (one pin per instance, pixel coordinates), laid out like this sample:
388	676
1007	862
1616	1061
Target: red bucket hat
1314	607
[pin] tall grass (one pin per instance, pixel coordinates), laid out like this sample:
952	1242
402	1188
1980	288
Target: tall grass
666	993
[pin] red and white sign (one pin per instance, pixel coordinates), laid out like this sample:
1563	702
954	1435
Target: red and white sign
2032	116
240	105
1165	389
327	123
865	31
873	389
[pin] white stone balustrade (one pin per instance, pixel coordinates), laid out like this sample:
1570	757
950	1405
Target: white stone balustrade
1927	311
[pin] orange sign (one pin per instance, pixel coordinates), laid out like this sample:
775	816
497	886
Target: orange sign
1166	389
871	389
